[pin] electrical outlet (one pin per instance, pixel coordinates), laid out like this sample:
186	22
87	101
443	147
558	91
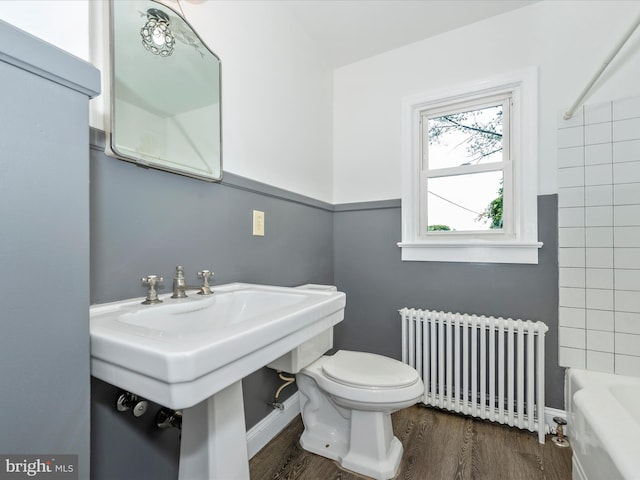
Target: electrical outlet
258	223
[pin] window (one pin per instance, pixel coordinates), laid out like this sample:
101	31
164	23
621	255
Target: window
470	173
466	169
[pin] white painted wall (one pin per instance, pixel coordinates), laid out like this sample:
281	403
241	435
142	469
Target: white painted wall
277	91
283	111
276	95
567	40
63	23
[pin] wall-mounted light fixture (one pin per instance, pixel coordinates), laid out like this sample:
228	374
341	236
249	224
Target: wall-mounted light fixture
156	34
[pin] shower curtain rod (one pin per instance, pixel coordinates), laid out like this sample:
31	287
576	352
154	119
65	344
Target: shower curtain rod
569	113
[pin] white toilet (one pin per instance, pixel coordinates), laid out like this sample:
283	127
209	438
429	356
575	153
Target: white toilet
346	401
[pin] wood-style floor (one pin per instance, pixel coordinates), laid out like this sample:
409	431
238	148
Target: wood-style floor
437	446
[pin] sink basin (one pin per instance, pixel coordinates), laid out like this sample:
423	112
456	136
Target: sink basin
182	351
192	353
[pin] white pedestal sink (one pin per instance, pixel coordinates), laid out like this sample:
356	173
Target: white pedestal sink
192	354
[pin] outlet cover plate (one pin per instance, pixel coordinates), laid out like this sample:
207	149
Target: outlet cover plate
258	223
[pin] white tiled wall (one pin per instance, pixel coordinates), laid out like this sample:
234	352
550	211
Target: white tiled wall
599	237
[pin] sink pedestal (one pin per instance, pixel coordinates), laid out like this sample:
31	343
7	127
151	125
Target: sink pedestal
214	438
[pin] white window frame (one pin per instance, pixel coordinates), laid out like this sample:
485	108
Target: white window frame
518	244
504	166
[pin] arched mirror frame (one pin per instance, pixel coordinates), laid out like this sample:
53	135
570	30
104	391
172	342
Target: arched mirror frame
112	147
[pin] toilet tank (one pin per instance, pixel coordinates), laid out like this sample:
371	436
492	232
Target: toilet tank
311	350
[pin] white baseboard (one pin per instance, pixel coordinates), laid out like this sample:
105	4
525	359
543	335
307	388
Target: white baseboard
549	413
271	425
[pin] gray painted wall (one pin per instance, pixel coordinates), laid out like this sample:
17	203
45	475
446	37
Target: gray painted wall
147	222
44	248
369	269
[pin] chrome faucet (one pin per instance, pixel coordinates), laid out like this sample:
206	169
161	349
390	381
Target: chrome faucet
179	283
180	286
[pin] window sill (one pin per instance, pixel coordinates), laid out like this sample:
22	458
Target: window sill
471	252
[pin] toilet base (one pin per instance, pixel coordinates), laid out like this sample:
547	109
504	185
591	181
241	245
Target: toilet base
377	454
371	449
351	423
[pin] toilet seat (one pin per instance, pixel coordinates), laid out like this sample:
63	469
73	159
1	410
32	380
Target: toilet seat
395	388
368	370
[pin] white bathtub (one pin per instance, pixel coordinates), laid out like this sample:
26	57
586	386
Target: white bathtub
604	425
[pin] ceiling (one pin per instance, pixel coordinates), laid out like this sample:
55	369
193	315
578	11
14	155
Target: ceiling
351	30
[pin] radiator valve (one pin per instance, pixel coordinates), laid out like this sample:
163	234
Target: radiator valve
559	439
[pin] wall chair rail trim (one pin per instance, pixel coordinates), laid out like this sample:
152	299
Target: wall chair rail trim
38	57
97	139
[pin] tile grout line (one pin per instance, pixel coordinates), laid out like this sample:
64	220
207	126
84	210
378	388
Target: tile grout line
584	203
613	249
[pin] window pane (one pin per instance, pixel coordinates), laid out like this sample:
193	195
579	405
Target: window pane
465	202
465	138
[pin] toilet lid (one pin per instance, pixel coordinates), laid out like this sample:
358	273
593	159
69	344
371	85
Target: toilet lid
361	369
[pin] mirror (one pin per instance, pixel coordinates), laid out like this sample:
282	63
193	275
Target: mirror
165	92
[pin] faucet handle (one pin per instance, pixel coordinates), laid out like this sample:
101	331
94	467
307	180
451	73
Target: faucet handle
205	289
152	280
205	274
152	295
